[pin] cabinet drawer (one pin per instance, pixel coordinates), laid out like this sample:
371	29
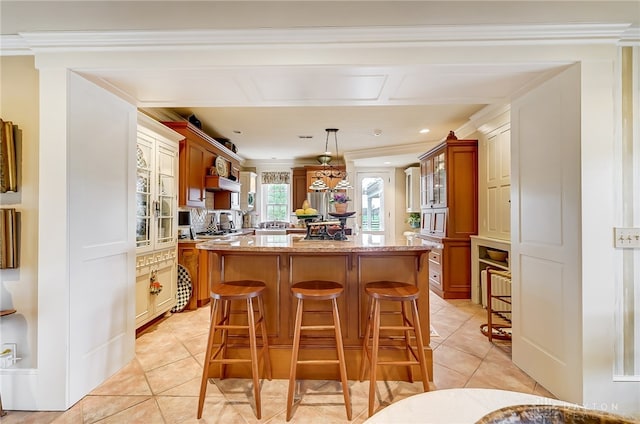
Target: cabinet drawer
435	257
435	276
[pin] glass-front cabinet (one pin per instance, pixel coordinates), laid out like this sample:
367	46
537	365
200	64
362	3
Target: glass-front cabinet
156	219
434	180
156	188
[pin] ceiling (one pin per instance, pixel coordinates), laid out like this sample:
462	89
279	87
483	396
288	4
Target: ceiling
264	74
277	114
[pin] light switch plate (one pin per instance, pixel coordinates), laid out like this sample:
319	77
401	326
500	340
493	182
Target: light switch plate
627	237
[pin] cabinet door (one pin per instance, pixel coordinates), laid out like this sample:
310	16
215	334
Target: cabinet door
412	189
226	200
188	257
198	159
424	184
439	180
430	194
144	186
299	187
167	276
166	209
439	222
143	300
426	221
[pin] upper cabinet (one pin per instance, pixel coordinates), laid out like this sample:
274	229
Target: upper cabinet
412	189
156	191
495	215
322	173
449	188
299	187
247	190
199	153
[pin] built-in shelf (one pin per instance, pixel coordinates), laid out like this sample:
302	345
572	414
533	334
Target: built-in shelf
502	265
480	261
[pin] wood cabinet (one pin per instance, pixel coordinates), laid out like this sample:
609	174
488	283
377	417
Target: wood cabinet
299	187
197	154
449	212
327	174
280	269
224	199
194	160
195	261
303	177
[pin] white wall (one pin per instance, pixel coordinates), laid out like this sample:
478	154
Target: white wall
19	287
601	209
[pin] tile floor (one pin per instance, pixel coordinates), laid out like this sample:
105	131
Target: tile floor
161	384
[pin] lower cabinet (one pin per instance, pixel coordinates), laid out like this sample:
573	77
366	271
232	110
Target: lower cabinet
196	263
450	268
159	266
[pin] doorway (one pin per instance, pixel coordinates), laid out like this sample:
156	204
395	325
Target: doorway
374	200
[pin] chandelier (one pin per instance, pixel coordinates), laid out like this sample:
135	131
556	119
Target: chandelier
328	171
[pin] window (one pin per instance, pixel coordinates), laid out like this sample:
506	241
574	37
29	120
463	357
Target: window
276	202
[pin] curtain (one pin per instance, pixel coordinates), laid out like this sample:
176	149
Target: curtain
276	177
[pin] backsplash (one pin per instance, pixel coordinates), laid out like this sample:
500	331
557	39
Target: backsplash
202	218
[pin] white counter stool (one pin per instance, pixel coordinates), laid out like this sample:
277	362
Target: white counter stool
392	291
317	290
222	294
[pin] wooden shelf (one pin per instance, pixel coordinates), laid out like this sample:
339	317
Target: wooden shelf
497	264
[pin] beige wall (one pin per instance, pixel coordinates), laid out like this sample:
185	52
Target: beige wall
19	96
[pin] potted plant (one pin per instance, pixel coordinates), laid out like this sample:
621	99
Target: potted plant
414	220
339	201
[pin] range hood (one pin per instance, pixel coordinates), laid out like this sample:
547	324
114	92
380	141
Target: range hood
217	183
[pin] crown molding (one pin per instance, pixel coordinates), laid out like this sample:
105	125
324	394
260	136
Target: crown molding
372	36
14	45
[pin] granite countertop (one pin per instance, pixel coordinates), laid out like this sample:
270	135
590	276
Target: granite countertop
296	243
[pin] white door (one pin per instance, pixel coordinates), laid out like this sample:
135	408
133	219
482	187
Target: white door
546	236
375	201
101	186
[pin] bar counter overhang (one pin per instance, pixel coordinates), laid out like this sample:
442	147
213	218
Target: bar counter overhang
283	260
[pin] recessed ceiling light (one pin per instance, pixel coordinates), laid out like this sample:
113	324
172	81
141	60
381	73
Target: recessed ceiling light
377	132
424	130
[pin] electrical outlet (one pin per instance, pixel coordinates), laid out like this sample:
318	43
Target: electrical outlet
627	237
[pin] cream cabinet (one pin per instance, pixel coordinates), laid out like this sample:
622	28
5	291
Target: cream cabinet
160	267
247	190
412	189
497	202
156	219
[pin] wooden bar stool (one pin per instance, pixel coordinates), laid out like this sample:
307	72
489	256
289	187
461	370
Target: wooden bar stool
222	294
395	292
317	290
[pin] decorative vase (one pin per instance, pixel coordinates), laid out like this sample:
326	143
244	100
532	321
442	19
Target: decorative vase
340	207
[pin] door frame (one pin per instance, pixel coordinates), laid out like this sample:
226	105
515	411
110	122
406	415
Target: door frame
388	175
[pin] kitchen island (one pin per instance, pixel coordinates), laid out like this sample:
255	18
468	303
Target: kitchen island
282	260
